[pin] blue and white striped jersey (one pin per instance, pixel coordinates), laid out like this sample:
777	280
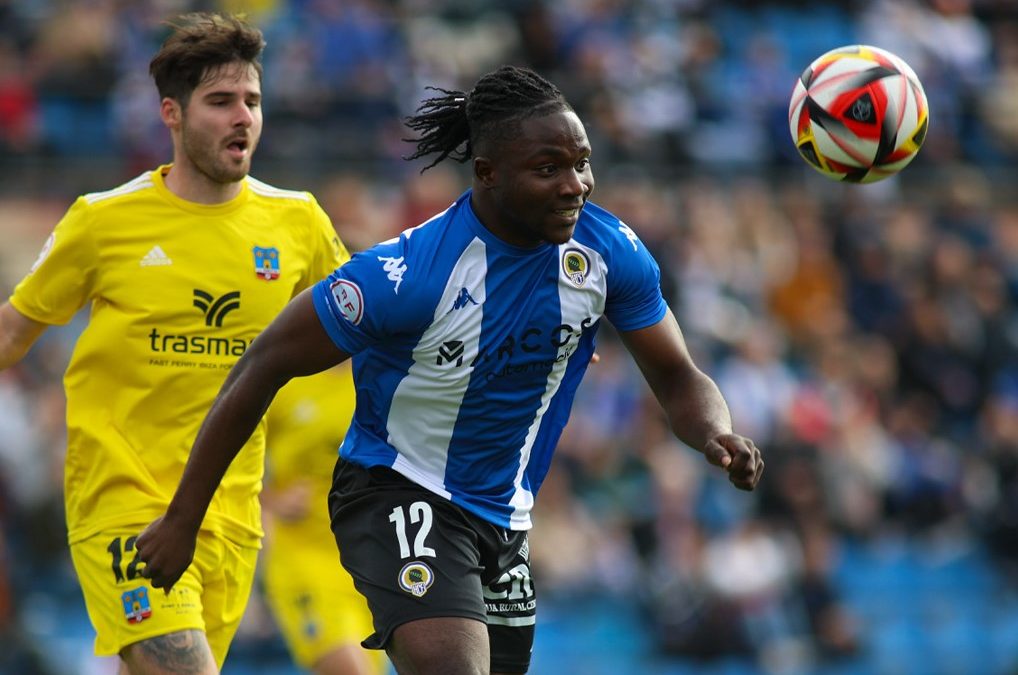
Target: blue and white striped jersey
467	351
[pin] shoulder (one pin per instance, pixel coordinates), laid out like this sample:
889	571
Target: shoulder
273	193
142	185
605	232
412	269
295	210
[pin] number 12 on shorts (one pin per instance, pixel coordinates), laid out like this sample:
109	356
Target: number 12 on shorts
420	512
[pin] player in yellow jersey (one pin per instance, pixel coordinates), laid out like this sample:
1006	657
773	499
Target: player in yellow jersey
183	266
322	616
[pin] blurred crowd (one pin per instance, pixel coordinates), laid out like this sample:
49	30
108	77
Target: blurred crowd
865	337
658	80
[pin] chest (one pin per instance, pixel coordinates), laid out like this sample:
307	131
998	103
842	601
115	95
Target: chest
211	274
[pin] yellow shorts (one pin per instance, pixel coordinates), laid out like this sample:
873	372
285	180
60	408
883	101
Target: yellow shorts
313	598
124	608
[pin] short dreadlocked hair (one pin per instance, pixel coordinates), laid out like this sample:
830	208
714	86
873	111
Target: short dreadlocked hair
454	123
200	43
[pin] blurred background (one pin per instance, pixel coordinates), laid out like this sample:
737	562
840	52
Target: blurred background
866	336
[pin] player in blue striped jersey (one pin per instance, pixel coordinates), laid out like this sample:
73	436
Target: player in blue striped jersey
469	335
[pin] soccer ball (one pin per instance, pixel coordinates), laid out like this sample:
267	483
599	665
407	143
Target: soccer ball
858	114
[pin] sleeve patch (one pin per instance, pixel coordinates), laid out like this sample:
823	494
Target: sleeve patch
349	300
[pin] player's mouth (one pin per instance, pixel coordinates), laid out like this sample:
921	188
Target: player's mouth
238	148
571	215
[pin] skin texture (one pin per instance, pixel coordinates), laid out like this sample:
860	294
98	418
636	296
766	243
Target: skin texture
185	652
215	136
527	195
17	334
533	193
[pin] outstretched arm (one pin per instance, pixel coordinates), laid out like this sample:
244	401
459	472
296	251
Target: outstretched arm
696	410
294	344
17	334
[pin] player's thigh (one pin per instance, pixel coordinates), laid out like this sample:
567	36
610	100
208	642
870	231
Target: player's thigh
122	605
182	653
228	572
440	646
313	598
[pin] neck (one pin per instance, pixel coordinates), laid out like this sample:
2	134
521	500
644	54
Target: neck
186	182
488	215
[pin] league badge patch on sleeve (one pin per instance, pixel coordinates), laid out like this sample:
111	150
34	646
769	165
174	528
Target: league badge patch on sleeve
136	605
349	299
266	262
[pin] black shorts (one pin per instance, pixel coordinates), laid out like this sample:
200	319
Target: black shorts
416	555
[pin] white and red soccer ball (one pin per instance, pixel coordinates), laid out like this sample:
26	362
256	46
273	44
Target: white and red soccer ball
858	114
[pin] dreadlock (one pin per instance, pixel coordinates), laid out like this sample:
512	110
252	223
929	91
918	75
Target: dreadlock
452	124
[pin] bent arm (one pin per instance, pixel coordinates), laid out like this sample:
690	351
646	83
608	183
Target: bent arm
295	344
17	334
696	410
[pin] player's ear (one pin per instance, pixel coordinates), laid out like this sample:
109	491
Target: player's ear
170	112
484	172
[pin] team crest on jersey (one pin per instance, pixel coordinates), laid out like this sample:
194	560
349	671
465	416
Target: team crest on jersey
576	266
350	300
136	605
416	578
266	262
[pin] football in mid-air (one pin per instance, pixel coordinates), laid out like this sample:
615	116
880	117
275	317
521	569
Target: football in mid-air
858	114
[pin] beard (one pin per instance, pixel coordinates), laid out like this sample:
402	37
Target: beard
205	154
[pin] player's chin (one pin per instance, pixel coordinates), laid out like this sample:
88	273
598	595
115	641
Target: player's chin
559	232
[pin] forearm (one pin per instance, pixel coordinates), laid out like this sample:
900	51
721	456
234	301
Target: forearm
695	408
17	334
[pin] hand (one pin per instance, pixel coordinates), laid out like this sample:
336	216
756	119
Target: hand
738	456
167	548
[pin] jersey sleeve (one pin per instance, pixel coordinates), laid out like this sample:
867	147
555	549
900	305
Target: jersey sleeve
373	298
328	251
634	284
63	278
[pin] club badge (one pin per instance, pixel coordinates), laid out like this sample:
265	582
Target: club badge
136	605
416	578
266	262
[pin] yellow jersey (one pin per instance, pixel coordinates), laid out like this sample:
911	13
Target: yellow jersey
178	290
306	424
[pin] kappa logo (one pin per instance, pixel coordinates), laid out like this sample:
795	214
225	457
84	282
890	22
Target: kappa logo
395	269
216	309
416	578
630	235
155	257
525	549
462	299
449	351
